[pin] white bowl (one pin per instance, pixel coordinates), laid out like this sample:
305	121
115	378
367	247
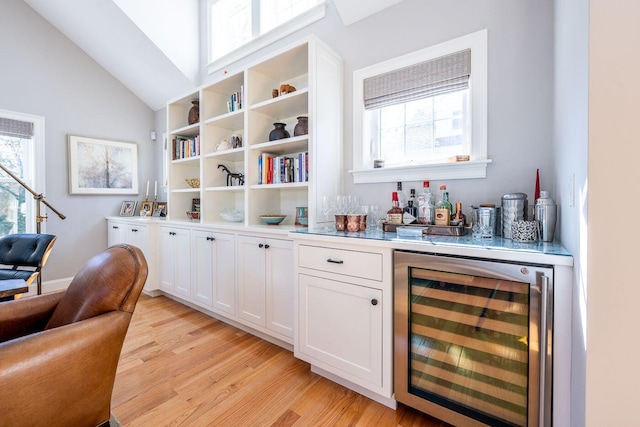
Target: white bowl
232	215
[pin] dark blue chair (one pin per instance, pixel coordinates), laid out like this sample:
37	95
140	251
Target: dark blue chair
22	256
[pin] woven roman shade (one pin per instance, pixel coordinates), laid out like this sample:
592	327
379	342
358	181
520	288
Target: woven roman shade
15	128
446	74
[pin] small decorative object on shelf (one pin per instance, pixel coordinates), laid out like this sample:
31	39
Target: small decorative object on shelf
236	141
194	112
302	127
128	208
274	93
302	216
223	145
193	216
161	210
233	178
279	132
285	88
193	182
232	215
272	219
146	208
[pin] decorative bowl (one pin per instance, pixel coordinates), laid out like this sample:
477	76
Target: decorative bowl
232	215
272	219
193	182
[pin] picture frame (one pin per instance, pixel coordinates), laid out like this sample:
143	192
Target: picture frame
128	208
146	208
160	210
102	166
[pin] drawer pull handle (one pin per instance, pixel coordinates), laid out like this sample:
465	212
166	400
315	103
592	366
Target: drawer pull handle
374	302
261	246
335	261
135	230
171	233
211	239
266	246
115	227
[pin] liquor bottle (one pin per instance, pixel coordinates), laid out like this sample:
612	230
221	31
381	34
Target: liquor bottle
458	218
401	199
410	213
426	205
394	215
443	208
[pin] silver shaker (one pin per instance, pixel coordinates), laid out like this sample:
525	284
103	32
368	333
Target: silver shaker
514	208
546	212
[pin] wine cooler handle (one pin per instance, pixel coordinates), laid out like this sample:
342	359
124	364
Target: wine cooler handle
546	320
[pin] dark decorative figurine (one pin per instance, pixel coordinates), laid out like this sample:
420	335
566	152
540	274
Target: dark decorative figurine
231	176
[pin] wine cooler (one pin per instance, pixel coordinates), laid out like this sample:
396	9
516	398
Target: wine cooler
473	342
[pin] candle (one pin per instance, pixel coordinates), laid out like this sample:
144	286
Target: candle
147	193
155	189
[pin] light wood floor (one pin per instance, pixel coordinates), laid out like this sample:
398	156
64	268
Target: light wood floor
180	367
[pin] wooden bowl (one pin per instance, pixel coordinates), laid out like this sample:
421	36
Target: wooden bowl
193	182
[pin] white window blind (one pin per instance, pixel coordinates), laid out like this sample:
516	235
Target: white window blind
15	128
446	74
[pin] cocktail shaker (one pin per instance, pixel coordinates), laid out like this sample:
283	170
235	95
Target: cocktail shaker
545	213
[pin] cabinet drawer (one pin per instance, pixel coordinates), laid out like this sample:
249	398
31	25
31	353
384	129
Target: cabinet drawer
367	265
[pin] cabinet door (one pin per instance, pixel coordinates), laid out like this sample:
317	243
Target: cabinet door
138	235
279	286
341	328
115	232
202	256
251	279
224	274
175	269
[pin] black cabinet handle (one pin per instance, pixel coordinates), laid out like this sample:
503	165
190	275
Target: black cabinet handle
211	239
172	233
115	227
135	230
266	246
335	261
374	302
261	246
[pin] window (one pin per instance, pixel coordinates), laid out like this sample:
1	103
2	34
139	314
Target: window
417	111
20	139
239	27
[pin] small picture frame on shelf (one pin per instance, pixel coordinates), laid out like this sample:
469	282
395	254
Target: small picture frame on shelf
128	208
160	210
146	208
195	205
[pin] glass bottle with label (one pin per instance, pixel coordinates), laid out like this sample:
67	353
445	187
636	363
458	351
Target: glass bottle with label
410	213
443	208
401	199
459	218
426	205
394	215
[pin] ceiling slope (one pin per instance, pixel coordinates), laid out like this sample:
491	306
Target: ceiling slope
102	30
354	10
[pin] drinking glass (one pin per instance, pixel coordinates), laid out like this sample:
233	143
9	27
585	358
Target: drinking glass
328	205
342	205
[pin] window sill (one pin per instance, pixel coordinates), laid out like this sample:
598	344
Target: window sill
307	18
440	171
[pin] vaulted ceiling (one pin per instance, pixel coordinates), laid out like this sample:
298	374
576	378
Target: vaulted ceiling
152	46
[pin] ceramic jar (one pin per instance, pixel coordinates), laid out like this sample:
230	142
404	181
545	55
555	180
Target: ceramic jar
194	113
302	127
279	132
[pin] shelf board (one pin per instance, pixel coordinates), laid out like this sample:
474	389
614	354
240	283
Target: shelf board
191	130
193	159
232	121
281	146
235	154
225	188
287	186
289	105
185	190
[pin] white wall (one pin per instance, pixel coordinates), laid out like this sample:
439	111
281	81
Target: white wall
613	372
43	73
570	153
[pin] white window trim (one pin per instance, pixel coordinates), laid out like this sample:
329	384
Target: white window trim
38	163
477	167
298	22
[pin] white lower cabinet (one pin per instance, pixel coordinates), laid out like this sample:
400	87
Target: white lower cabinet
265	284
175	256
343	321
213	270
143	236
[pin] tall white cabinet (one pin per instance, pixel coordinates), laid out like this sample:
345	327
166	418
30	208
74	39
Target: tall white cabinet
316	73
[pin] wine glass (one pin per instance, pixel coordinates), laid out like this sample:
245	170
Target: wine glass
328	205
342	205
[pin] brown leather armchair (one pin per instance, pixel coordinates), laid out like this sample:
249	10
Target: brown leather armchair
59	352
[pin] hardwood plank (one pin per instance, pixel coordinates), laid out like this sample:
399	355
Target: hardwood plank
180	367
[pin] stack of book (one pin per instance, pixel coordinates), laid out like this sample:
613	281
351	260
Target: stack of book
283	169
185	147
236	100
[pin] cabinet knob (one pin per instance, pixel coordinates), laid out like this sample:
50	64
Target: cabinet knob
335	261
172	233
266	246
374	302
211	239
261	246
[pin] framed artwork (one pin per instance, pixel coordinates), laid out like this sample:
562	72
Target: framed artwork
128	208
160	210
146	208
100	166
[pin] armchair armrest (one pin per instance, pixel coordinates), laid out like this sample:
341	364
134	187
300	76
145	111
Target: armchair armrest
39	389
26	315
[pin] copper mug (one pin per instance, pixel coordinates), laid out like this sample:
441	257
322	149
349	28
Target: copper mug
353	223
341	222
